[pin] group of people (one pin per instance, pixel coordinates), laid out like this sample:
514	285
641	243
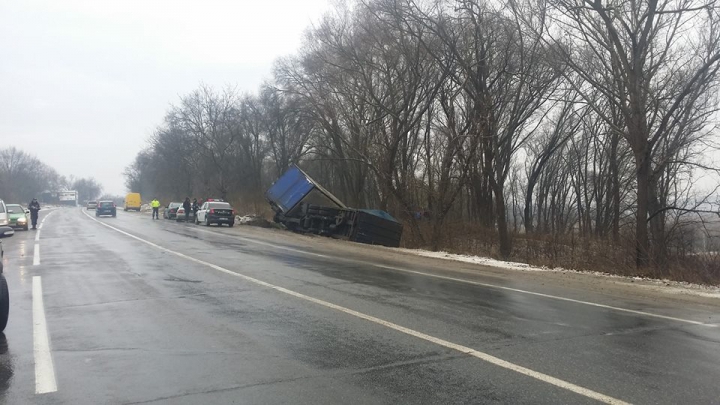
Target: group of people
188	207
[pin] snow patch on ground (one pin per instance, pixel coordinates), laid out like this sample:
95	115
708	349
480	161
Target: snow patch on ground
253	220
669	286
245	219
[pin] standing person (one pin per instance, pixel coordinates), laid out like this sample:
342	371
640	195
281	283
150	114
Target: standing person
195	206
34	208
187	207
155	204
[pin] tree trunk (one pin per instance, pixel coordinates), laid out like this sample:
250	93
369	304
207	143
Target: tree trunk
615	176
437	230
642	243
528	213
502	226
657	228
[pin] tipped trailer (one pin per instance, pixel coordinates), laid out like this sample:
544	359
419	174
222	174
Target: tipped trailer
302	205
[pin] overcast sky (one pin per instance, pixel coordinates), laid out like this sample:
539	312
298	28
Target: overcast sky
83	84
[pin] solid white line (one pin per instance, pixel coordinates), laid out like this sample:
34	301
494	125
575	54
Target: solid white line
44	370
40	226
555	297
463	349
36	255
37	235
495	286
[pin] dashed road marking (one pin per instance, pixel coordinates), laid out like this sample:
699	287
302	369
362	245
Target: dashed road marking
45	381
36	255
411	332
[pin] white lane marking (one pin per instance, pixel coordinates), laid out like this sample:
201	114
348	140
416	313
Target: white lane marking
36	255
37	236
45	217
478	283
463	349
44	370
40	226
555	297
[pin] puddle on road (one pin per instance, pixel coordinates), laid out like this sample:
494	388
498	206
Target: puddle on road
182	280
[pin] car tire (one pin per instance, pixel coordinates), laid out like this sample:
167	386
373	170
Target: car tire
4	303
25	228
197	221
231	224
207	221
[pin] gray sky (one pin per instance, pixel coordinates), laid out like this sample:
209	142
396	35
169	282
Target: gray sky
84	83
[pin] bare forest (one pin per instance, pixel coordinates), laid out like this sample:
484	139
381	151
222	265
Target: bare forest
24	177
571	133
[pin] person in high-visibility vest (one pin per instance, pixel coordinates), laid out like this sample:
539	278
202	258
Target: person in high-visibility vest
155	204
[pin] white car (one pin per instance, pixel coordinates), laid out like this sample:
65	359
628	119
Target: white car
180	214
4	218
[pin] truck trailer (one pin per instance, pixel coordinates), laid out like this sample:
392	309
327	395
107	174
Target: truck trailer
303	205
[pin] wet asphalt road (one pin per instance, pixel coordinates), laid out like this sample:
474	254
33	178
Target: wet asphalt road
130	322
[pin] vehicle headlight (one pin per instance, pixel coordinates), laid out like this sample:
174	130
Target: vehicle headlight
22	220
3	222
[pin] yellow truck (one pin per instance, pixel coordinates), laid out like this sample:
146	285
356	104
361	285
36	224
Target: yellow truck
133	202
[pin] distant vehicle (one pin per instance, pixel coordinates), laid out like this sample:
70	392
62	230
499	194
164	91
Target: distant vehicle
17	216
133	202
5	231
170	211
106	208
68	198
180	214
215	212
91	205
4	217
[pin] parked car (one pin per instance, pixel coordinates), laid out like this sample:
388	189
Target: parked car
216	212
106	208
91	205
5	231
170	211
4	217
18	216
180	214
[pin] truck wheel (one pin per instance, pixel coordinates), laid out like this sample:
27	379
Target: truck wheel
4	303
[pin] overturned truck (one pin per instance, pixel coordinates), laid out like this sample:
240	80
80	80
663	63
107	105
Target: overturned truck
302	205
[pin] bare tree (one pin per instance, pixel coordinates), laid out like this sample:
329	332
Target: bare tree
23	176
656	63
